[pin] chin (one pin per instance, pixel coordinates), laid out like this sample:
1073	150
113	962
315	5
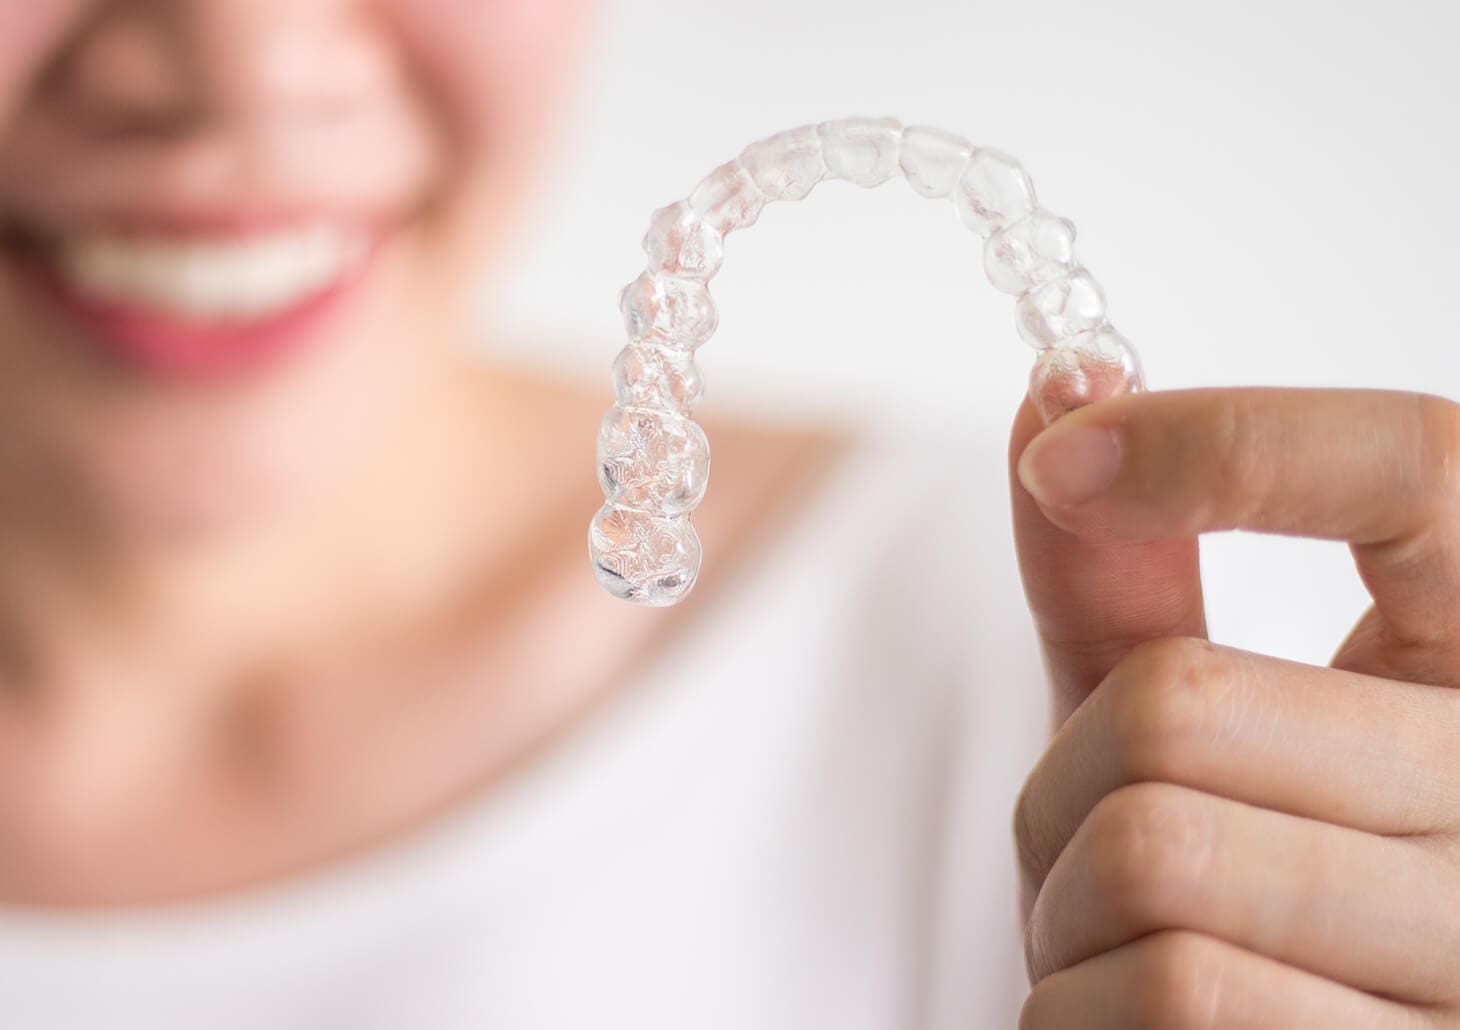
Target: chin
172	495
143	466
166	477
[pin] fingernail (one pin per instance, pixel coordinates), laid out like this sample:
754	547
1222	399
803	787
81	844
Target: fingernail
1064	467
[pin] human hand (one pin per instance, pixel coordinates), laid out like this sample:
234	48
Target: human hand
1217	838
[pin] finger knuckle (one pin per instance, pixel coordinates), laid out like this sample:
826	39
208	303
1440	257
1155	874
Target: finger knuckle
1179	981
1040	1011
1172	980
1168	697
1147	848
1031	835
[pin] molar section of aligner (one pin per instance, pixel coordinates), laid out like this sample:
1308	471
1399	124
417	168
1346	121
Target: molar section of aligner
644	557
788	165
653	467
863	151
652	460
1085	368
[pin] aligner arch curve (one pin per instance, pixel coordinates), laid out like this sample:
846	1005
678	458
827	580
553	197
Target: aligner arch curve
654	460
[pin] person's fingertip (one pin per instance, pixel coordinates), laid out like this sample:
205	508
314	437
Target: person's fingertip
1070	465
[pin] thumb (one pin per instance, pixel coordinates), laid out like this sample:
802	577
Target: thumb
1094	600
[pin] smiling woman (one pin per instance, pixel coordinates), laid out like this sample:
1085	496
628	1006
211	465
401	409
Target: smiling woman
281	610
248	452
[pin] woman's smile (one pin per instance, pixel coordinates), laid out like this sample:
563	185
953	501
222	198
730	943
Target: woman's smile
198	296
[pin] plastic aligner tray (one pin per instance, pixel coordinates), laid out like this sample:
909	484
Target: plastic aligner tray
654	460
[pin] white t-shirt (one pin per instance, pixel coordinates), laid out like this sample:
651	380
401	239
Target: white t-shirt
797	819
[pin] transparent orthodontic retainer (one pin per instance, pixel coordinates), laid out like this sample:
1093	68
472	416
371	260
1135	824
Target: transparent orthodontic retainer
654	460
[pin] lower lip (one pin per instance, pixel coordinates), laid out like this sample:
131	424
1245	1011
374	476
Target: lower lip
176	347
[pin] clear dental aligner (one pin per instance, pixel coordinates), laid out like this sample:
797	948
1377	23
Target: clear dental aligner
654	461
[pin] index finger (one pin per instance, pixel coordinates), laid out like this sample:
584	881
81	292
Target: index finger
1378	469
1093	601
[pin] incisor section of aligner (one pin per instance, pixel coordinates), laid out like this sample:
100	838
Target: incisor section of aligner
654	460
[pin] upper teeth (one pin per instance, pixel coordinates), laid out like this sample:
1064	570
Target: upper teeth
211	278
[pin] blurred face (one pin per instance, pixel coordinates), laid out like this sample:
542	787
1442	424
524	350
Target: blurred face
235	235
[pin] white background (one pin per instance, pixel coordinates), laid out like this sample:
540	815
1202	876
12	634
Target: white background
1267	190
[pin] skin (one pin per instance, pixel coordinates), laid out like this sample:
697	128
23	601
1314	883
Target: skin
253	625
1217	838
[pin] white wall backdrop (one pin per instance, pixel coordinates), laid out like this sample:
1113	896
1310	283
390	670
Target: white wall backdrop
1267	190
